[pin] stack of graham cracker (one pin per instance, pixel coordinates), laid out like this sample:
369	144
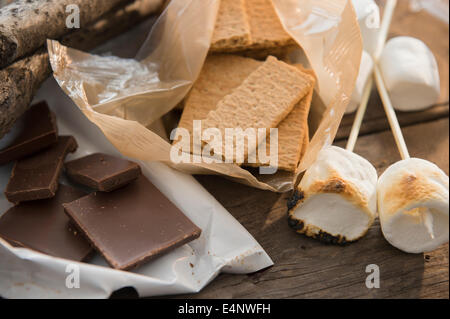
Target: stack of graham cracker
250	28
234	90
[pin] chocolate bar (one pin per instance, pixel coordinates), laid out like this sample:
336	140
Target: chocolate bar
34	131
36	177
131	225
42	225
102	172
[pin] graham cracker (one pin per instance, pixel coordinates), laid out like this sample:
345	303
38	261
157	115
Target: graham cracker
293	132
247	26
220	75
280	52
265	27
292	136
263	100
232	29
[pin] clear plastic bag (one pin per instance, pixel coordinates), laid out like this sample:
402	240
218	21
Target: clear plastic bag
122	97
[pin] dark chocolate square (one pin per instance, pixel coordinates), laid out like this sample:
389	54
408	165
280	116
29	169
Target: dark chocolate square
102	172
42	225
132	224
32	132
36	176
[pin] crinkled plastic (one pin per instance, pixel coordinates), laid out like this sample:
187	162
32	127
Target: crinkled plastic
122	97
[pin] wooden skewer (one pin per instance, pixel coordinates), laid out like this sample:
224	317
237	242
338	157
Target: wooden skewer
360	114
390	113
387	104
382	36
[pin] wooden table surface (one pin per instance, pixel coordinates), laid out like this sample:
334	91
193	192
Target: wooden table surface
305	268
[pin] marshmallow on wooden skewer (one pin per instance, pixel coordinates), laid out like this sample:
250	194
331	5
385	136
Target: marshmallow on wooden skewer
364	82
410	73
368	15
412	195
413	203
336	198
365	71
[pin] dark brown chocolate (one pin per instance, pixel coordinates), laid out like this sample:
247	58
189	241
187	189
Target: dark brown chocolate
36	177
34	131
132	224
102	172
42	225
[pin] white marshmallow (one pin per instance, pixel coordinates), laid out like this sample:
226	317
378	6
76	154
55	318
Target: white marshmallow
368	15
336	197
410	73
413	205
365	70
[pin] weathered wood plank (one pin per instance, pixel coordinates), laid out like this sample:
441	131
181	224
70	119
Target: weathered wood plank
375	119
425	140
305	268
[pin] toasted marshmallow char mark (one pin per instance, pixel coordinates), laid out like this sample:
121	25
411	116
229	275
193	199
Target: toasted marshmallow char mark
336	199
413	205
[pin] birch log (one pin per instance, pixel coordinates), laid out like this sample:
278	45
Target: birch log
25	25
20	80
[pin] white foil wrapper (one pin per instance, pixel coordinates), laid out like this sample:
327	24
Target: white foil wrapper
224	245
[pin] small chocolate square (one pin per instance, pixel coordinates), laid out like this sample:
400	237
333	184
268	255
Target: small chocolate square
36	176
32	132
102	172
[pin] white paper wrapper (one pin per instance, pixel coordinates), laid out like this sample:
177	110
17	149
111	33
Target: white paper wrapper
224	245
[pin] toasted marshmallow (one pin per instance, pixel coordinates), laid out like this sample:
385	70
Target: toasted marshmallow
368	15
413	205
410	73
336	198
365	70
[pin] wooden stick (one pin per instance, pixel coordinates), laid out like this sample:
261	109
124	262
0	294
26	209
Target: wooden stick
20	81
390	113
382	36
351	142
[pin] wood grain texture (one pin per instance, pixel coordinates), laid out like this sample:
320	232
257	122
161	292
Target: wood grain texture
375	119
305	268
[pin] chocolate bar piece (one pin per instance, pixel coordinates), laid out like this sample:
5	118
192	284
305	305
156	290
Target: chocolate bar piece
131	225
34	131
36	176
102	172
42	225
